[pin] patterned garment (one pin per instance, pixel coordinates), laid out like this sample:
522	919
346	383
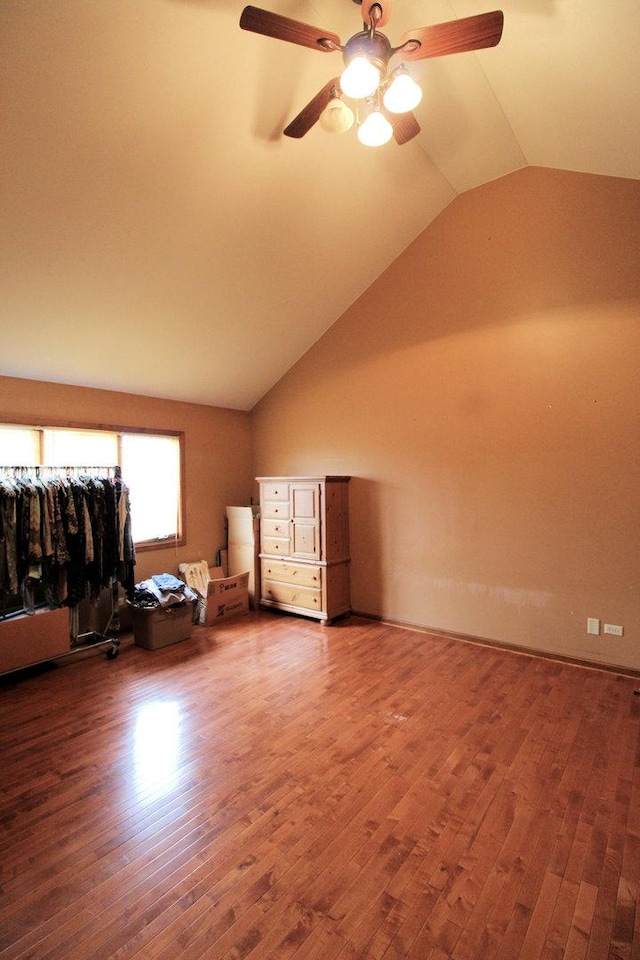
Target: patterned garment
71	534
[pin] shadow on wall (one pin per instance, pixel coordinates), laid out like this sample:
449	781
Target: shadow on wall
367	579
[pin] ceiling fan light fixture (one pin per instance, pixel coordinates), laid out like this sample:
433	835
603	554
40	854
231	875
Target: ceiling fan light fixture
375	130
403	94
369	52
360	78
336	117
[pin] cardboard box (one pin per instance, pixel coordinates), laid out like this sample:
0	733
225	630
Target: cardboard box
227	597
29	639
243	524
243	530
244	557
155	627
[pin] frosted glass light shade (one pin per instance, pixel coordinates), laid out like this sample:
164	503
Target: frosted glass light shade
336	117
375	130
404	94
360	79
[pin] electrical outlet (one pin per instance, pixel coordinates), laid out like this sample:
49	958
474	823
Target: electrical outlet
613	630
593	626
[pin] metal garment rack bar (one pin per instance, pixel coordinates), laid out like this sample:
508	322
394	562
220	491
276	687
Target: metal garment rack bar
23	471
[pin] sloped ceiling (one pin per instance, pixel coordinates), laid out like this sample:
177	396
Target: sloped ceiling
160	236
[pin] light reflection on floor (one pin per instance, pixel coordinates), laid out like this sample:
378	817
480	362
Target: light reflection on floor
156	749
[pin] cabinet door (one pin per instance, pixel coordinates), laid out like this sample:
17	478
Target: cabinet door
305	520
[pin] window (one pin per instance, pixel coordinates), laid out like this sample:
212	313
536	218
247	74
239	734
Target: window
77	448
150	464
151	468
19	445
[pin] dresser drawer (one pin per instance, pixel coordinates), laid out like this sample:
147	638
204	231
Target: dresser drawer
292	594
295	573
274	491
274	510
276	546
275	528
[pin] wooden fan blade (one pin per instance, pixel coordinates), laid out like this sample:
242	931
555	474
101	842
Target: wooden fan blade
405	126
283	28
311	113
455	36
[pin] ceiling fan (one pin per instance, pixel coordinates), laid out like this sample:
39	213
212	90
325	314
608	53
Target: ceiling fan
385	97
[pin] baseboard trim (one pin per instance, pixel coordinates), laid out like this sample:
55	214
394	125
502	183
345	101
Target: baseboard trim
501	645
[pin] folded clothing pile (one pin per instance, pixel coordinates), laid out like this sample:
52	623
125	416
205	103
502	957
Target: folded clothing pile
163	590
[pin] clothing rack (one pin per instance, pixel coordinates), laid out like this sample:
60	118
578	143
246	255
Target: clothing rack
97	553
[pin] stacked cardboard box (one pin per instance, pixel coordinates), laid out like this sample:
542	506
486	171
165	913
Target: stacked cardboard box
243	534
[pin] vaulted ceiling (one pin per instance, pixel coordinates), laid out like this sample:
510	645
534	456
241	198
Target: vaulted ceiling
158	233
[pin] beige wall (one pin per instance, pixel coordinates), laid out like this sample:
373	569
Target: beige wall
484	393
217	453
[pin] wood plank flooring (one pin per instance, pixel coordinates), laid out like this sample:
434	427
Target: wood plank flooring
273	789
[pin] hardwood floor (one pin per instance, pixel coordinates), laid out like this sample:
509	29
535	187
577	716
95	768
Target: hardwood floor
274	789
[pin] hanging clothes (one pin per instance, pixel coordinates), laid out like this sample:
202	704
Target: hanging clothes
66	529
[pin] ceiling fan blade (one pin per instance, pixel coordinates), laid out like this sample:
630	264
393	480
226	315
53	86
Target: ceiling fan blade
405	126
455	36
311	113
283	28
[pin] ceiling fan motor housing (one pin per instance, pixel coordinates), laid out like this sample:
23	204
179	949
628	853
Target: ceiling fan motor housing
375	48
